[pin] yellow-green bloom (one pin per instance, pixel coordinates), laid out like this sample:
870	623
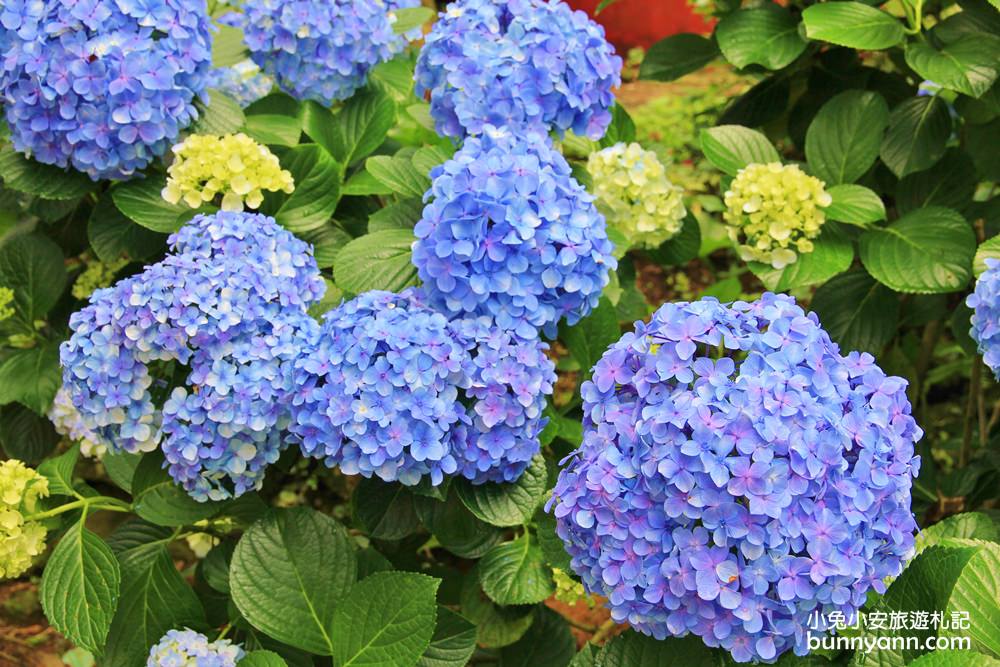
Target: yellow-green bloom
20	540
569	590
6	299
773	211
635	195
235	166
98	274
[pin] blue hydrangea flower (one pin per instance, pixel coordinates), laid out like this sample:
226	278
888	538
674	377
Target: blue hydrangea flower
393	390
103	86
244	82
520	63
322	50
509	234
738	474
187	648
985	302
195	353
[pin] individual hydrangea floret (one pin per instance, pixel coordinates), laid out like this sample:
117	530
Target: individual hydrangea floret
510	234
187	648
985	303
738	478
393	390
244	82
21	539
67	421
321	51
774	211
103	86
635	195
527	64
235	166
194	353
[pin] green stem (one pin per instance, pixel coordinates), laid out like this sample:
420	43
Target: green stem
95	504
916	19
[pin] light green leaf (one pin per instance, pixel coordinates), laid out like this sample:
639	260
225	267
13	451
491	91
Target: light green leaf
31	377
376	261
358	129
509	504
954	658
855	205
767	36
227	46
317	189
989	249
409	18
857	312
965	526
732	147
677	55
386	620
142	202
263	659
970	64
42	180
326	241
363	183
273	129
399	174
403	214
843	139
833	254
516	573
288	573
852	24
384	509
223	115
80	585
428	157
927	251
453	643
32	266
919	129
59	471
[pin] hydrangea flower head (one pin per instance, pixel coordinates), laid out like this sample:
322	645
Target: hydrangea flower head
635	195
235	166
985	302
737	475
509	234
103	86
187	648
195	353
393	390
244	82
21	540
321	51
774	211
68	423
528	64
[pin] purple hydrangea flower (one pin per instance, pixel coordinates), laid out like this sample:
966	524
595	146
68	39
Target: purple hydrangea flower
102	86
195	353
509	234
322	50
187	648
737	475
520	63
395	390
985	302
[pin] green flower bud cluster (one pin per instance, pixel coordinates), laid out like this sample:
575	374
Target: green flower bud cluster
98	274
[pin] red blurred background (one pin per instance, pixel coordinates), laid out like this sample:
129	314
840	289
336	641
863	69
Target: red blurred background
642	22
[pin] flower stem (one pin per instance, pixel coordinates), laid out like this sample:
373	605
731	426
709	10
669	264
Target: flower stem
87	504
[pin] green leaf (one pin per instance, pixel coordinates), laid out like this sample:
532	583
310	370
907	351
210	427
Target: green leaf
112	235
409	18
59	471
386	620
970	64
843	139
385	509
852	24
833	254
359	128
509	504
682	248
954	658
155	598
80	585
263	659
453	643
732	147
317	188
120	467
273	129
227	46
42	180
980	143
677	55
455	527
547	642
965	526
857	312
590	338
287	574
621	129
137	532
403	214
399	174
989	249
516	573
326	241
428	157
394	77
927	251
631	649
222	115
158	498
142	202
32	266
767	36
919	129
376	261
496	626
215	566
26	435
585	657
553	548
855	205
951	183
363	183
31	377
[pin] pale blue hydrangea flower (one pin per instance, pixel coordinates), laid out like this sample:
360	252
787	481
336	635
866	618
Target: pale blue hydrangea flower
187	648
985	302
244	82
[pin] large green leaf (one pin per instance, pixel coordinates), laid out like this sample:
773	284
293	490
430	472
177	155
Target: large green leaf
263	659
31	377
677	55
927	251
227	46
553	548
832	254
590	338
970	64
288	573
142	202
843	140
59	471
455	527
682	248
403	214
398	173
767	35
509	504
453	643
317	188
632	649
385	509
80	588
496	625
42	180
32	266
954	658
380	260
273	129
516	573
852	24
25	434
113	235
159	499
547	642
919	129
386	620
222	115
855	205
361	126
858	312
965	526
989	249
732	147
951	183
410	18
